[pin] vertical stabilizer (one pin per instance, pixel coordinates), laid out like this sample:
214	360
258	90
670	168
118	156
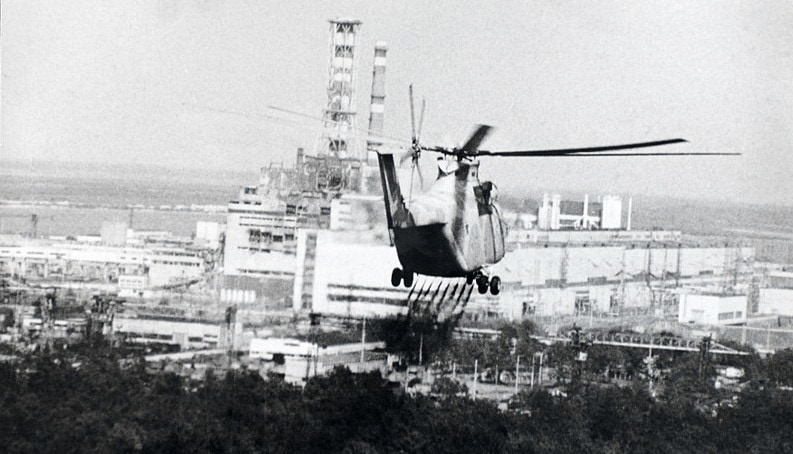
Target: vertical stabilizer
395	210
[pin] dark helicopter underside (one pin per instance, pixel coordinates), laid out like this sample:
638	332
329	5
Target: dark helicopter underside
426	249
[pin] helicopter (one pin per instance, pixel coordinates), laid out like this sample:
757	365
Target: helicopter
455	229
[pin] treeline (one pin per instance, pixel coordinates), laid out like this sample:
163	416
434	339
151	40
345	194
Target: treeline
91	398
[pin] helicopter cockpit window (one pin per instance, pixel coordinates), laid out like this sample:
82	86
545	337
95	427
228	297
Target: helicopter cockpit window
483	197
493	192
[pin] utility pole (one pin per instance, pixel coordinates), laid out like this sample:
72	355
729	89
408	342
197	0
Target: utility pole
580	352
768	337
231	319
363	342
651	371
576	344
517	374
704	349
650	361
591	309
421	348
476	375
533	357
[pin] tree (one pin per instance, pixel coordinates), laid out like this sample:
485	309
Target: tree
691	380
415	337
560	357
448	387
779	368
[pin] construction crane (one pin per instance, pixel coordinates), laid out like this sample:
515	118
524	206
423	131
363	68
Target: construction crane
34	222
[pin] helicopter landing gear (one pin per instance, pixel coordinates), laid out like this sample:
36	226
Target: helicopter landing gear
407	278
495	285
483	284
397	276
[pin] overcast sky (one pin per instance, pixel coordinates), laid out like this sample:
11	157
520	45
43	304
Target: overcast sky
118	82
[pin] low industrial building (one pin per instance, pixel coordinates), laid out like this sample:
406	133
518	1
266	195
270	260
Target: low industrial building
713	308
63	261
776	301
183	333
346	274
299	360
604	214
777	298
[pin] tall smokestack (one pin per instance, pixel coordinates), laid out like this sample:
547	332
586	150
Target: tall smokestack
584	220
630	213
556	207
377	104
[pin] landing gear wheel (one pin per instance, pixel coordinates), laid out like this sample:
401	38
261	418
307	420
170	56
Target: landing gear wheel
407	276
396	277
481	284
470	278
495	285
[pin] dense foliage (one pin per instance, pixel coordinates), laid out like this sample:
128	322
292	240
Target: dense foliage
87	399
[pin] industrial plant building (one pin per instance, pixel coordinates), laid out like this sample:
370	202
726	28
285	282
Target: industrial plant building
260	252
129	264
312	238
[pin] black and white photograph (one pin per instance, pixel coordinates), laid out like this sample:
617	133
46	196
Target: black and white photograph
519	226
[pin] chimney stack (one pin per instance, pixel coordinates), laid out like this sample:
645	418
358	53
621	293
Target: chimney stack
377	104
630	213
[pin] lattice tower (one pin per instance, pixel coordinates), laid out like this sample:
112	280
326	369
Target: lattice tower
337	137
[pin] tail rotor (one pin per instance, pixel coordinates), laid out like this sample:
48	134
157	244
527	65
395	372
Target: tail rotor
415	141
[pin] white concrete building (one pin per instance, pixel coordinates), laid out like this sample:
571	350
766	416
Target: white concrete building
173	266
186	334
347	274
611	213
114	233
66	260
712	309
132	285
343	273
555	213
302	360
209	233
776	301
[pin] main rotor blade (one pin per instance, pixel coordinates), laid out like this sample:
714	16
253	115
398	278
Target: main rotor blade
306	116
472	145
412	115
568	151
421	119
598	155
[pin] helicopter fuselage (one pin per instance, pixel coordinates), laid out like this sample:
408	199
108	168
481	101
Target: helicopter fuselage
452	230
455	228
